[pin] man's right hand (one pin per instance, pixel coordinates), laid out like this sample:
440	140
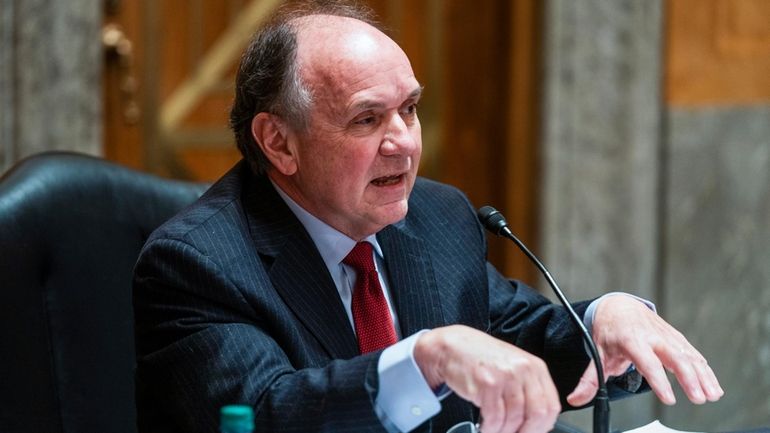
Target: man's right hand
512	387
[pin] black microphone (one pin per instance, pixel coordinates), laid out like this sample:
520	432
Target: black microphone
495	222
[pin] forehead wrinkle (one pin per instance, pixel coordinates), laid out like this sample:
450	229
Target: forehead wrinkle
338	68
332	82
371	103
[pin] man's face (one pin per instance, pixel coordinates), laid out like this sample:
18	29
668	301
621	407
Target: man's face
357	162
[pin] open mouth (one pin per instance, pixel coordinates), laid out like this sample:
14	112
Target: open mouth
387	180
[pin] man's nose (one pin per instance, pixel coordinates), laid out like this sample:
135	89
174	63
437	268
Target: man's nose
399	137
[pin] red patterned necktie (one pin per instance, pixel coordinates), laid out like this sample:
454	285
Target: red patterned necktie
374	326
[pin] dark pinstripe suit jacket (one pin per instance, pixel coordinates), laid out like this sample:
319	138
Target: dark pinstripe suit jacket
234	304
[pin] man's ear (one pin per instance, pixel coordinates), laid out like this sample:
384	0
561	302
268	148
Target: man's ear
272	136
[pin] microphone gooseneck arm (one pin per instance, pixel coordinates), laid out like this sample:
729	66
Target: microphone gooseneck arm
495	222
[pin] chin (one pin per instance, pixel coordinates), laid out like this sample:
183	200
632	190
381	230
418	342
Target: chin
395	212
379	218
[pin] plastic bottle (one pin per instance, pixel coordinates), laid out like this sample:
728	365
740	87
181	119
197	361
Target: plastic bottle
236	418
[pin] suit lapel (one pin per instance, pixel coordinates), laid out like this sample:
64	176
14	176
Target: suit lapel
298	272
303	281
301	278
412	281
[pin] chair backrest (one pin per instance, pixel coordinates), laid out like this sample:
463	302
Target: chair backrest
71	227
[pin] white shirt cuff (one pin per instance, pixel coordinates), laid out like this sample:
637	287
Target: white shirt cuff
404	400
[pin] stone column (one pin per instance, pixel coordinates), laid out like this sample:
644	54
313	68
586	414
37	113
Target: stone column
601	138
717	249
50	77
7	111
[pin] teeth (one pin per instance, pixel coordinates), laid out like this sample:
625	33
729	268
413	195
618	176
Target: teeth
388	180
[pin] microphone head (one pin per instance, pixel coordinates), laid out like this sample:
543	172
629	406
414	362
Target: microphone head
492	219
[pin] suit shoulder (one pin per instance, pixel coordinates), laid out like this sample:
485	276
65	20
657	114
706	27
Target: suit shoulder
215	205
429	195
430	190
442	204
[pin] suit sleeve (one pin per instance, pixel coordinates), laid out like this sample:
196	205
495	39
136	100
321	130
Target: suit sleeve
517	313
525	318
200	345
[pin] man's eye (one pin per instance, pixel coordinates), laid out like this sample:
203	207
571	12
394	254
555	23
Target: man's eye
368	120
411	109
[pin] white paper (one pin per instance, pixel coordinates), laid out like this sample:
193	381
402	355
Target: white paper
656	427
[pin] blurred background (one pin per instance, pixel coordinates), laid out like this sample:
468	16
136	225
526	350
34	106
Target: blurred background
627	141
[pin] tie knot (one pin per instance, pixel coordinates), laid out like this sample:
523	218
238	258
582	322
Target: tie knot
360	258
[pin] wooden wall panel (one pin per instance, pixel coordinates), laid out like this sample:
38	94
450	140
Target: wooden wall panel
122	136
718	52
201	147
474	104
522	151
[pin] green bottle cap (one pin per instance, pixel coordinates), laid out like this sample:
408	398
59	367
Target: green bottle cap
237	417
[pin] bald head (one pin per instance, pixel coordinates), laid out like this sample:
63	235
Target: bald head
268	78
338	55
326	40
335	53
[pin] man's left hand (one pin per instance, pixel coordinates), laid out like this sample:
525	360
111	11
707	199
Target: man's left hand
626	331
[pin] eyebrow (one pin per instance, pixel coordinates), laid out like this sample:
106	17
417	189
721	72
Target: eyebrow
368	104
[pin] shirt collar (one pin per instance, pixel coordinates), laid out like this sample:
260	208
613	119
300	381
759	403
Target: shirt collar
333	245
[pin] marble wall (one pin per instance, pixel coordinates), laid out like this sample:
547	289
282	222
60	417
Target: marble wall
672	205
50	67
601	155
717	251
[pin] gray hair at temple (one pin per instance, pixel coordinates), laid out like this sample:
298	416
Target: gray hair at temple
269	80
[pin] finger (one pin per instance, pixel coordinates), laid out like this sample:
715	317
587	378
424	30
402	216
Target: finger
552	396
680	361
651	368
708	381
706	378
492	411
542	404
515	405
586	387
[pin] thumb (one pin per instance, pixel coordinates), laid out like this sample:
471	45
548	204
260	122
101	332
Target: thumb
585	389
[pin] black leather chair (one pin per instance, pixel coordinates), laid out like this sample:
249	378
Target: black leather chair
71	227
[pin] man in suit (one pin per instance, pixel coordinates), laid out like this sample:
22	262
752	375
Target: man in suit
325	284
